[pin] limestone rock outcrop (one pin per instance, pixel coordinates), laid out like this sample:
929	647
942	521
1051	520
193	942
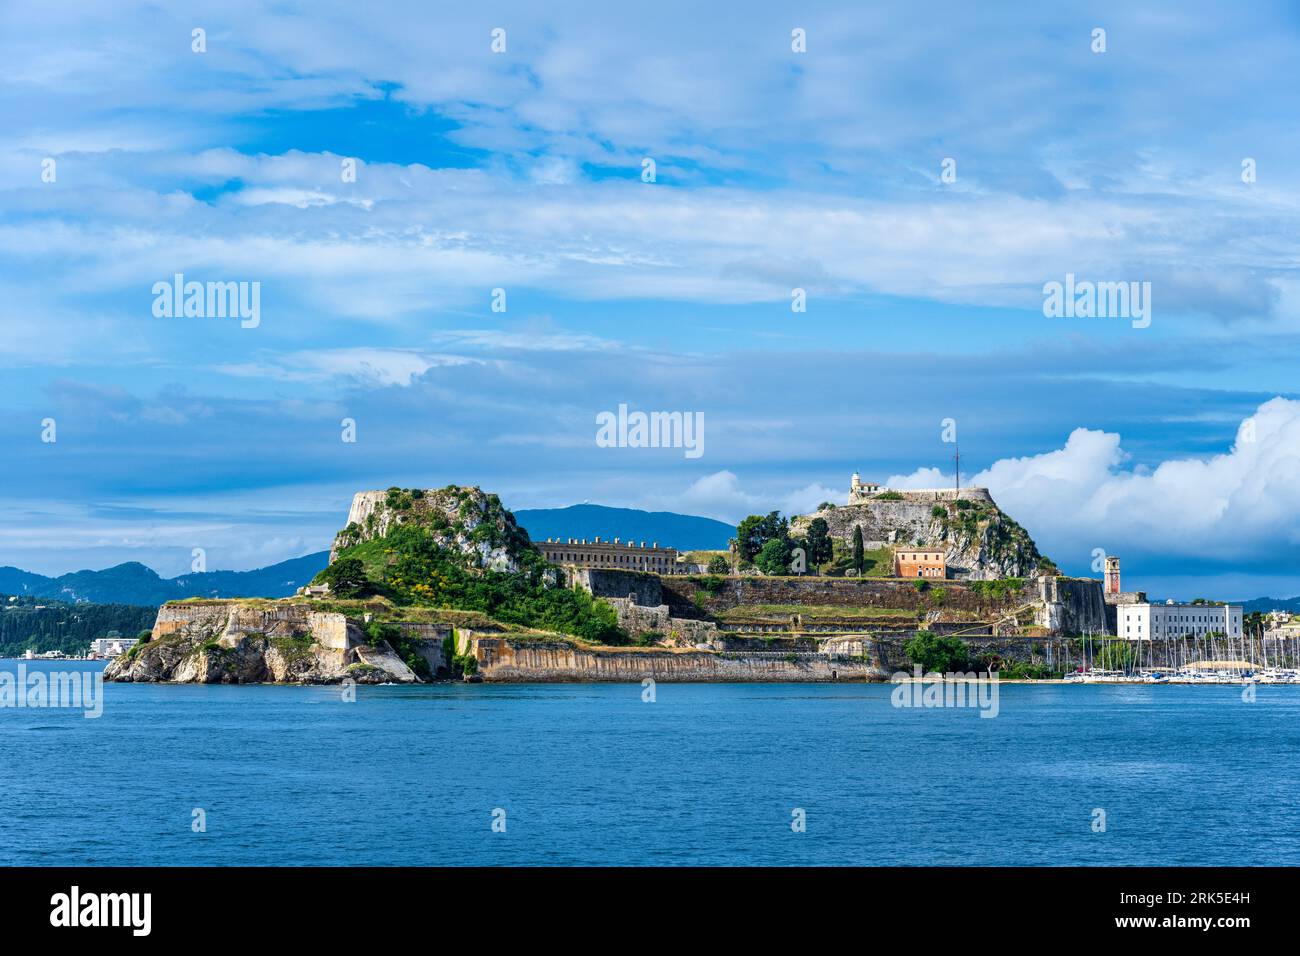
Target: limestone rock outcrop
465	520
980	541
232	642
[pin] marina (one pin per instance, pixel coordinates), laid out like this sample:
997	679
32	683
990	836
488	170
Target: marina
1209	659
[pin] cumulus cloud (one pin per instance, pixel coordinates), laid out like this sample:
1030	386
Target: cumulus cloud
1239	508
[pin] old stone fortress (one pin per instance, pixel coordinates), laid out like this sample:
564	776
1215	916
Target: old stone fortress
907	523
947	562
879	524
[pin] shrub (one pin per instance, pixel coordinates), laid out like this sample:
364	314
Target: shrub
713	584
1000	590
935	653
719	565
774	558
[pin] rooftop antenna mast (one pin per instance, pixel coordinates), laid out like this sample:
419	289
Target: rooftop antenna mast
956	460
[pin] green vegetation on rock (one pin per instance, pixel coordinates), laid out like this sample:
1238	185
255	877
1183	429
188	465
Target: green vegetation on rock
937	654
396	638
1000	589
346	578
460	548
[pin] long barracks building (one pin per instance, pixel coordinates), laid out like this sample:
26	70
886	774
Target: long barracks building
610	554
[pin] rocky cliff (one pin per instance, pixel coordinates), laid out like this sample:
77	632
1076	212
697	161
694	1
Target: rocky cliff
979	540
294	642
234	642
463	520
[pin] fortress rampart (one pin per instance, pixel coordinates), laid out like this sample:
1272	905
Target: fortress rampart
929	495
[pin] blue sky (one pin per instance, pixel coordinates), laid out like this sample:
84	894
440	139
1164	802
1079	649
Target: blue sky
1176	446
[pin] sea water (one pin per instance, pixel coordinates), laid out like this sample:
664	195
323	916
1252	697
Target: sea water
455	774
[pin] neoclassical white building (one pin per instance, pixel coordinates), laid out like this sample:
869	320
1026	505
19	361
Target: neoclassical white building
1145	622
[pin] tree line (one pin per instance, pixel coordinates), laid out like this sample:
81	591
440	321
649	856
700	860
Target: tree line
765	542
59	626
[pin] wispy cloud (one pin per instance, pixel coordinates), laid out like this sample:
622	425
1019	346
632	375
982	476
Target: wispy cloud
522	172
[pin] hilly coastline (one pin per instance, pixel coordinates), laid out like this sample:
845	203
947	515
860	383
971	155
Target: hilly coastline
436	583
134	583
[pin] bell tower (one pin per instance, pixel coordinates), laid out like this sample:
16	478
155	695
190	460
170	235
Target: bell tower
1112	575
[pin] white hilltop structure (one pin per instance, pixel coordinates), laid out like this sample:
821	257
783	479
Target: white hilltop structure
861	492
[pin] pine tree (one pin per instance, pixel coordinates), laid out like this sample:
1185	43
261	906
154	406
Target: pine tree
818	543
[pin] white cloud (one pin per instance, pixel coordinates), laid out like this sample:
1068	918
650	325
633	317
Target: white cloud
367	366
1240	505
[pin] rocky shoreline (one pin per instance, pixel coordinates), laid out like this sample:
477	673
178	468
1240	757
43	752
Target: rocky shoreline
222	642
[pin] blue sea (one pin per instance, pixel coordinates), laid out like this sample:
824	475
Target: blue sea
706	774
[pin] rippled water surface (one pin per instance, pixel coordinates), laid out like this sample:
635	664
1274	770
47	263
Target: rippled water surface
706	774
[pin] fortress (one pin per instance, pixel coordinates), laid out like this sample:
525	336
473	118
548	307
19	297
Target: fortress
861	492
606	554
673	623
941	532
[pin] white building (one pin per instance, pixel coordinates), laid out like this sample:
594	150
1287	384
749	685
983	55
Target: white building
860	490
1145	622
111	646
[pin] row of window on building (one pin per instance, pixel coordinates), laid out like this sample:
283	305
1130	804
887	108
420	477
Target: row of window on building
606	554
1140	622
920	564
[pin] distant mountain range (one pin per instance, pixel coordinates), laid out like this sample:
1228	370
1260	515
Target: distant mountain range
133	583
1271	604
671	530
